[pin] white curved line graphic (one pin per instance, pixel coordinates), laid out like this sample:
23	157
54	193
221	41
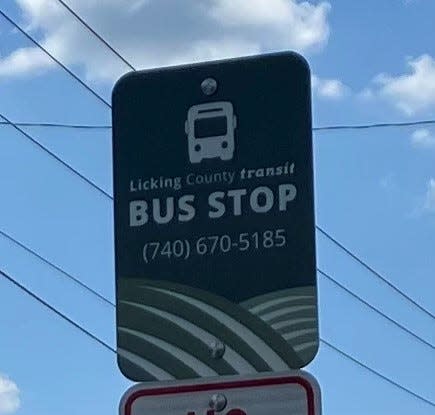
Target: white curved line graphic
235	360
285	310
304	346
196	365
289	323
260	307
144	364
298	333
262	349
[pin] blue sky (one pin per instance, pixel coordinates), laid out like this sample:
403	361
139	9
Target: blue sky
375	189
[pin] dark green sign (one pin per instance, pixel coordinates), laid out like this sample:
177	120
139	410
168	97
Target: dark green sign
214	219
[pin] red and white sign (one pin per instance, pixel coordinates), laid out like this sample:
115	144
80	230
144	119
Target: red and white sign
292	393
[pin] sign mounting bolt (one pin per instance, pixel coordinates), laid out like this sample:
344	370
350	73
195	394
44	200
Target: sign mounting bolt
217	349
209	86
218	402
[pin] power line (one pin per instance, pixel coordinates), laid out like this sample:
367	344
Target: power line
56	157
71	73
338	127
111	349
109	302
56	311
374	125
98	36
107	44
7	121
324	128
78	79
375	372
57	268
376	310
335	241
60	125
374	272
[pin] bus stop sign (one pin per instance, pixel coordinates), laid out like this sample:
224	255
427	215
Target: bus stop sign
214	219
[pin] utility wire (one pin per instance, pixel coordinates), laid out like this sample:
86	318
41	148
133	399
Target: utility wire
324	128
375	372
374	272
59	269
56	311
338	127
374	125
99	37
110	303
107	44
386	281
335	241
376	310
56	157
36	43
111	349
60	125
78	79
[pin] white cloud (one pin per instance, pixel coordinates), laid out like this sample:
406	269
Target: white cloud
367	94
152	33
423	138
329	88
24	61
298	25
255	12
414	92
9	396
429	202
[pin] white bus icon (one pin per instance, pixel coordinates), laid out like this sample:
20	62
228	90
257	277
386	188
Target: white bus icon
210	131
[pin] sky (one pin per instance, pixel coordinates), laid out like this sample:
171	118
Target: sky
371	61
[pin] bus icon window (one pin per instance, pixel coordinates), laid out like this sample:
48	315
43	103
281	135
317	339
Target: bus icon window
210	131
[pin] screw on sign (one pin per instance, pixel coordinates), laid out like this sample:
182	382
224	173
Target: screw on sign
295	393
